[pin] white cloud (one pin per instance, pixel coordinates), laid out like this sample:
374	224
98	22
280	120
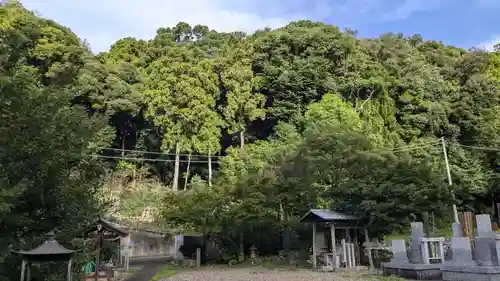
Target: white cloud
142	18
490	44
102	22
408	7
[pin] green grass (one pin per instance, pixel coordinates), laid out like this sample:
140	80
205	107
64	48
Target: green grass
270	264
406	235
168	271
132	270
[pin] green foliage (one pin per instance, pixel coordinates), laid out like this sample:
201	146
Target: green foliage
323	119
48	177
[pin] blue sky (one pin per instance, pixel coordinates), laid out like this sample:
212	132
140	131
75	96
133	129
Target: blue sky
464	23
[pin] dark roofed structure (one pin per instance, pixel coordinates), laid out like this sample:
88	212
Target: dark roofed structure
325	215
106	228
348	226
50	250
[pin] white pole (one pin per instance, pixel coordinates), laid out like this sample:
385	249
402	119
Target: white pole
68	276
348	247
450	183
23	268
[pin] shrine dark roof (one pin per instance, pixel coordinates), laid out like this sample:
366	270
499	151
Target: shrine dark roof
112	230
48	248
325	215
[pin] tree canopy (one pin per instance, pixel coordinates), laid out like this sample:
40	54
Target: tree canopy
259	127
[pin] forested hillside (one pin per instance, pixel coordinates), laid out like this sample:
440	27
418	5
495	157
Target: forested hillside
255	128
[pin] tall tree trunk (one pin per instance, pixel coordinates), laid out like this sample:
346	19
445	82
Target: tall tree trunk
242	245
242	138
241	256
286	234
209	168
134	175
123	144
175	184
122	176
187	172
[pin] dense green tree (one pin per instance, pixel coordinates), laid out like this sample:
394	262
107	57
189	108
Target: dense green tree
48	176
324	118
242	104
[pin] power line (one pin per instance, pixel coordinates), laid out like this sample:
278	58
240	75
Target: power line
380	150
408	147
396	149
150	159
480	147
157	153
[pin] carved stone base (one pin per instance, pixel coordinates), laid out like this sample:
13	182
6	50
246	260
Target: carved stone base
413	271
471	273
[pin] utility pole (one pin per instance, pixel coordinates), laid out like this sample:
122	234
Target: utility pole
450	183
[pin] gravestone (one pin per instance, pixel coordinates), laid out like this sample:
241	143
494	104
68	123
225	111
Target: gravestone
497	247
399	251
417	232
485	251
484	226
462	251
457	230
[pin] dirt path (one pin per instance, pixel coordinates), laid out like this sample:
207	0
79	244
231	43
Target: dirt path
260	275
146	272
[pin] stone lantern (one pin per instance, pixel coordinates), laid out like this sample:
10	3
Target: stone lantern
253	253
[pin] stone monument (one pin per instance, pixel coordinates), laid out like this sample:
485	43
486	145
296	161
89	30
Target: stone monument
480	263
412	266
417	232
399	252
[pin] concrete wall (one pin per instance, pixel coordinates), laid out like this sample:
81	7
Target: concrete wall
146	246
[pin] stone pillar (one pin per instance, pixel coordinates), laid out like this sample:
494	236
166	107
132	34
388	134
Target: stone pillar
353	255
68	276
399	251
484	226
417	233
425	252
198	258
344	251
457	230
23	269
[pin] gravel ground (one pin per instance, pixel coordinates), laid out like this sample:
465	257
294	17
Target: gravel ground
260	275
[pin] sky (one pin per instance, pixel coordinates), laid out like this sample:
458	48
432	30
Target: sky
463	23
